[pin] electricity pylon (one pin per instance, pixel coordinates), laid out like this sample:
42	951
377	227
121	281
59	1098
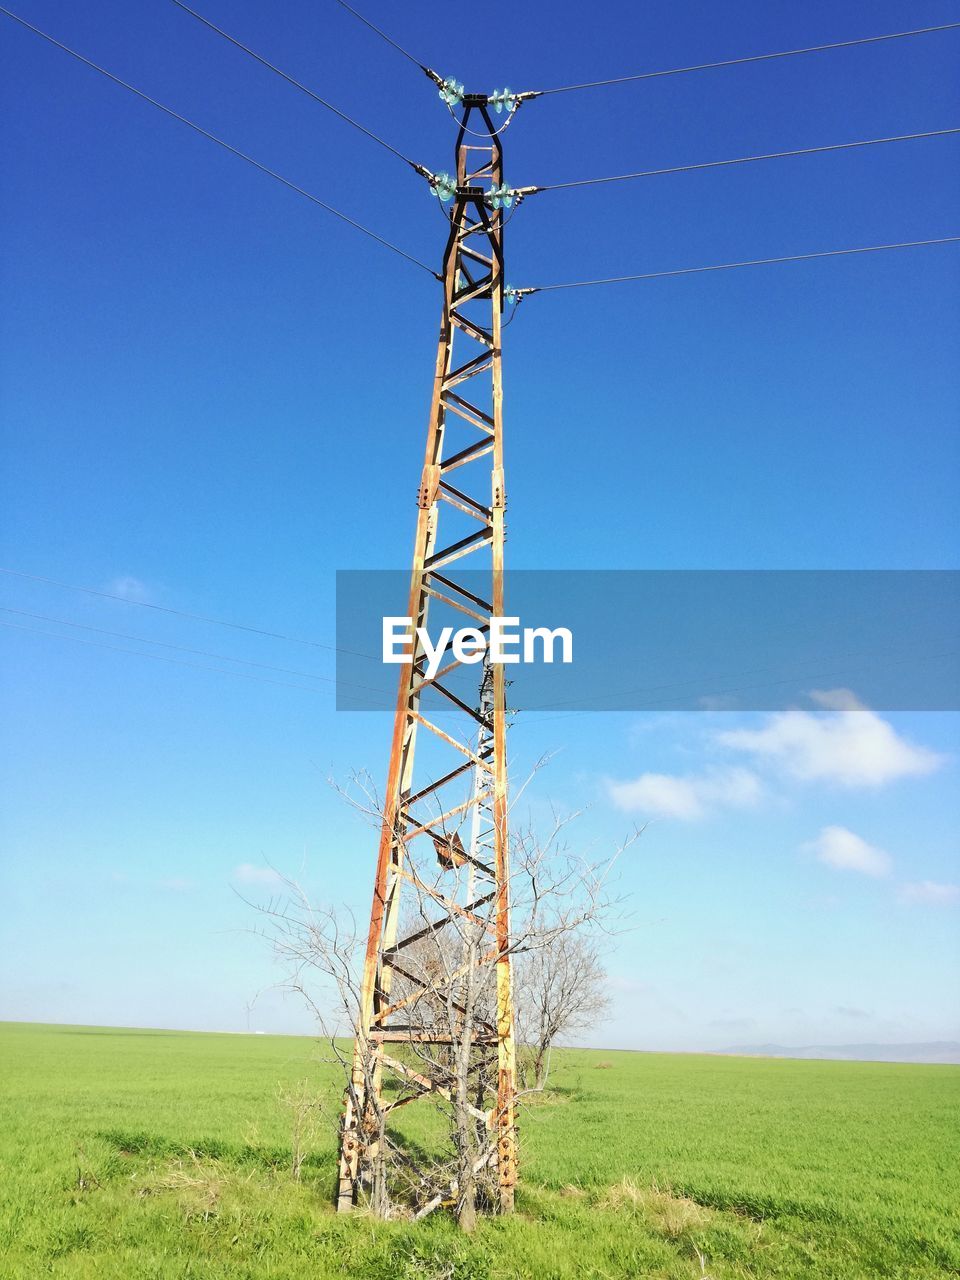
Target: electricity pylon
420	851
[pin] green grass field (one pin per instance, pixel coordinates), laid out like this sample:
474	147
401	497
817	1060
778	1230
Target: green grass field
167	1154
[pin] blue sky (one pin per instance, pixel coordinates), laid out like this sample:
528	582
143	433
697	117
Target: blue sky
213	396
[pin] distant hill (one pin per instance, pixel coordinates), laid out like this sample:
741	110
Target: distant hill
935	1051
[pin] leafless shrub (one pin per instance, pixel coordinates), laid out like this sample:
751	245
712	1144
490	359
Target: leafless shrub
305	1110
444	982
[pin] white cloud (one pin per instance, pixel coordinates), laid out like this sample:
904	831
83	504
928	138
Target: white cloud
129	588
845	851
930	892
851	746
247	873
176	884
686	797
657	793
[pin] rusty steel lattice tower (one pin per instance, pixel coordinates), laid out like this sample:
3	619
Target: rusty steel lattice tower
421	852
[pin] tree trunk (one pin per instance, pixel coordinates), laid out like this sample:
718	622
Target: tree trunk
467	1207
466	1146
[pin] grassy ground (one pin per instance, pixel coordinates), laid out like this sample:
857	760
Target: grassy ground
160	1154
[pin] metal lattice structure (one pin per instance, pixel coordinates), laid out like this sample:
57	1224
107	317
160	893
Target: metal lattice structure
444	779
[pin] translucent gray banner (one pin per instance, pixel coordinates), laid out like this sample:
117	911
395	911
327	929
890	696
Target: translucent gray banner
685	640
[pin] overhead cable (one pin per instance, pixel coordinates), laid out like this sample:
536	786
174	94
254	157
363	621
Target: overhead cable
180	613
162	657
730	266
718	164
271	173
165	644
389	39
297	84
736	62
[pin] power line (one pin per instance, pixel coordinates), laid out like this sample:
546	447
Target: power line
164	644
271	173
718	164
731	266
667	702
389	39
417	168
736	62
696	684
180	613
161	657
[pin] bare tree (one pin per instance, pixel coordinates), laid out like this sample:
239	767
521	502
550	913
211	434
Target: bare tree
446	989
558	990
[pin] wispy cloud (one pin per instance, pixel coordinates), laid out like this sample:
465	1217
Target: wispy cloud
844	850
733	1024
176	884
686	797
850	745
247	873
929	891
851	1011
129	588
